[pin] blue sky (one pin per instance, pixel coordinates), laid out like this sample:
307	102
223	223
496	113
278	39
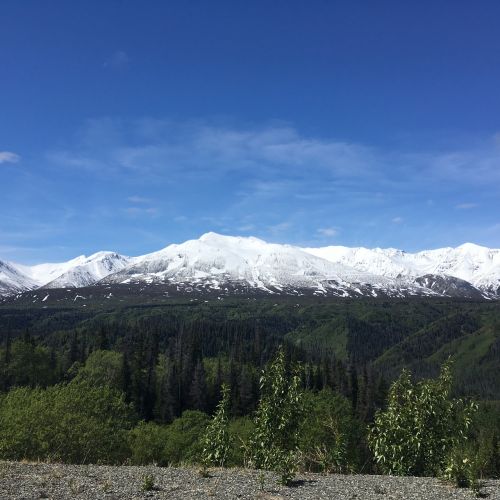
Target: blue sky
128	125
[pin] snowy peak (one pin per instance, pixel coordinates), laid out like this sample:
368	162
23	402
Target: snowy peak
90	270
13	280
44	273
220	259
475	264
77	272
217	262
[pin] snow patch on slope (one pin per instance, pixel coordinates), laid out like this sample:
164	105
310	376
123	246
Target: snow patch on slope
480	266
90	270
13	280
219	262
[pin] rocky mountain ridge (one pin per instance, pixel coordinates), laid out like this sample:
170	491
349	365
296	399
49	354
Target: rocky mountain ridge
232	264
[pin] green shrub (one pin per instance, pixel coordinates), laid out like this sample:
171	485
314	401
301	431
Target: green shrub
486	436
74	423
329	433
421	426
241	431
217	441
462	467
184	438
274	445
148	482
102	368
147	444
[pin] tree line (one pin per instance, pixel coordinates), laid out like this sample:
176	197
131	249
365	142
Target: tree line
140	385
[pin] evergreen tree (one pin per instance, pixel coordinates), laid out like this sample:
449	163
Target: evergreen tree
246	396
125	375
198	392
353	387
7	352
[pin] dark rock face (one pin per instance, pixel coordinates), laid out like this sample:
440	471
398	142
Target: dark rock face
449	286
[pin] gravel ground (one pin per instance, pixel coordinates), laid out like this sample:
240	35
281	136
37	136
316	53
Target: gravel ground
55	481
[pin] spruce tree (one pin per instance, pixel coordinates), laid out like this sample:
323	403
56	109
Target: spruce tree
198	391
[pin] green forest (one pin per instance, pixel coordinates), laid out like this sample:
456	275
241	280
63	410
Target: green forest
139	384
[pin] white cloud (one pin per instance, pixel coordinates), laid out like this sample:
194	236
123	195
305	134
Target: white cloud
275	171
9	157
161	148
279	228
274	158
138	199
141	211
327	231
118	59
247	227
466	206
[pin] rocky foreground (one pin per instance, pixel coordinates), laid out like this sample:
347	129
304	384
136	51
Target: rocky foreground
57	481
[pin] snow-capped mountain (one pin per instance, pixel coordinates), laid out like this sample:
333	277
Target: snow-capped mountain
215	260
90	270
75	273
12	280
477	265
229	264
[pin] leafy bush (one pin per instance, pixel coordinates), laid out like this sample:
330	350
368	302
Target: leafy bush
241	431
184	438
486	437
462	467
329	434
421	426
147	444
102	368
274	445
148	483
75	423
217	441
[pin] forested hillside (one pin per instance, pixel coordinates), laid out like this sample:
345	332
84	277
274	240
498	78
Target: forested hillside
155	372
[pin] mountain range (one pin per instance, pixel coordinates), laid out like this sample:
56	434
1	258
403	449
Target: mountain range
228	265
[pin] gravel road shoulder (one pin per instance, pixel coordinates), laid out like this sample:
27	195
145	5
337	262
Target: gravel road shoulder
58	481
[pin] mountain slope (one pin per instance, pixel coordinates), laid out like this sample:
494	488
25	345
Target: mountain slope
214	261
246	265
13	280
90	270
479	266
75	273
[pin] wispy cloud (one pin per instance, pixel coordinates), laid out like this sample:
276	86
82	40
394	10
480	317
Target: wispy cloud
141	211
247	227
160	148
118	59
138	199
252	178
9	157
465	206
278	229
327	231
277	153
